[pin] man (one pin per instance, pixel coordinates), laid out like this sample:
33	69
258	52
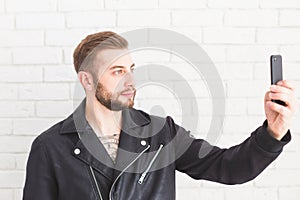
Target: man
108	150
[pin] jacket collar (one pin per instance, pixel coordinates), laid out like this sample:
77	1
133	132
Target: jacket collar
76	122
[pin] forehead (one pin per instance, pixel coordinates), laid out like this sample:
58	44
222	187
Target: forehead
110	57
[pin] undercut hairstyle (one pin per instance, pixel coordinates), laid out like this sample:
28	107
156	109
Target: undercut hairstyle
85	52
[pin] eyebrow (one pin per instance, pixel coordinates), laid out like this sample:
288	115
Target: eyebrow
120	66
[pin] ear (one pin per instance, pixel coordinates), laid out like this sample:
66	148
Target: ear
86	80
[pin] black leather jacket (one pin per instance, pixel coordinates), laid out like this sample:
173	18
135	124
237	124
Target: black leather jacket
67	162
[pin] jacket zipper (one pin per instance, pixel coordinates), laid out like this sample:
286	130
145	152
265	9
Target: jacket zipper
131	163
144	174
97	186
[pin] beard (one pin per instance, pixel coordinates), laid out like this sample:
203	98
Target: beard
114	101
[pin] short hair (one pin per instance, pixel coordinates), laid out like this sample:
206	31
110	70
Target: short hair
85	52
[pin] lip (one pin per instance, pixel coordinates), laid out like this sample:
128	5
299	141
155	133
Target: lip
128	94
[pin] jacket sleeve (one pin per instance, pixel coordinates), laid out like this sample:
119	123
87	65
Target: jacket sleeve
40	180
235	165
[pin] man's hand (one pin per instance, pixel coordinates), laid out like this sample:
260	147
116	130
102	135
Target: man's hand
280	117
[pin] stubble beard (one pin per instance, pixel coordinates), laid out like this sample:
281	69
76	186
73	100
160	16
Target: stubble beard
111	101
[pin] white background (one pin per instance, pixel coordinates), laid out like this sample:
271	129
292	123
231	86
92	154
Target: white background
37	39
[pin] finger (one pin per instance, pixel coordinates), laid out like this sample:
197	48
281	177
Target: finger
287	84
281	89
281	96
282	110
267	97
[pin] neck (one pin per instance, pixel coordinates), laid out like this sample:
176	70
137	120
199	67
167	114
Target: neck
103	121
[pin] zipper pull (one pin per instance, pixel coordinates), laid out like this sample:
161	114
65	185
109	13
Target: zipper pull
141	180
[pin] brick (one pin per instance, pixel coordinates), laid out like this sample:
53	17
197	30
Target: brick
251	193
6	21
236	106
229	35
278	178
255	106
187	193
291	71
233	4
16	109
11	179
255	18
235	71
199	89
289	18
249	53
131	4
184	181
18	194
279	4
211	193
191	53
21	74
75	5
288	160
68	55
66	37
44	92
289	193
7	161
6	126
290	52
91	19
148	56
192	32
21	38
30	5
227	140
217	53
278	36
6	194
2	5
21	161
197	18
6	56
40	21
15	144
255	88
54	109
241	125
60	74
8	91
168	4
296	118
294	145
262	72
143	18
37	55
235	124
32	126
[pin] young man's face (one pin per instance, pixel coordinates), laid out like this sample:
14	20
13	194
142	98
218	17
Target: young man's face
115	89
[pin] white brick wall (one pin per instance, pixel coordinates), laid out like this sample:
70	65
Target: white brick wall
9	38
31	5
240	18
40	21
37	79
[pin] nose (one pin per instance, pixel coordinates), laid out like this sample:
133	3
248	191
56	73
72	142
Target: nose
129	80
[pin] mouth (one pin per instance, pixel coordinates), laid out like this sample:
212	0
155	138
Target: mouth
128	94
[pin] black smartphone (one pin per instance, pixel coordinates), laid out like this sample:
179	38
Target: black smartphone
276	72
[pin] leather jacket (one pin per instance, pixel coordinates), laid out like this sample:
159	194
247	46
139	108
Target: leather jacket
68	162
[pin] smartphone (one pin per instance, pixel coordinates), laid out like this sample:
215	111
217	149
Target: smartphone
276	72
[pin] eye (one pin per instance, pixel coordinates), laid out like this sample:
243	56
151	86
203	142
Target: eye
118	72
132	69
